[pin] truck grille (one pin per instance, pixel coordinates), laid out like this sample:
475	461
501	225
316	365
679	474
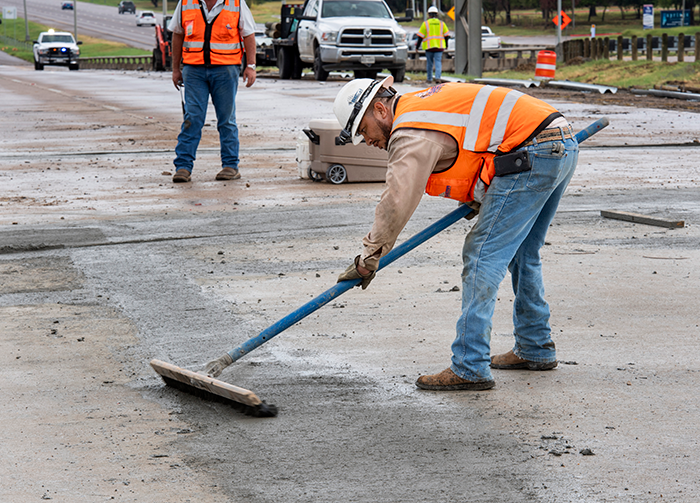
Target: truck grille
367	37
59	52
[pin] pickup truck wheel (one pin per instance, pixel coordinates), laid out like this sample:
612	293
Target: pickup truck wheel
37	65
336	174
319	72
285	62
74	67
399	74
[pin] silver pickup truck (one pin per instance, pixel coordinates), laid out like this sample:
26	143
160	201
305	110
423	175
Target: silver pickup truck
358	35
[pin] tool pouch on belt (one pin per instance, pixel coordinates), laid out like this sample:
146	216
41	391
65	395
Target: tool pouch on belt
514	162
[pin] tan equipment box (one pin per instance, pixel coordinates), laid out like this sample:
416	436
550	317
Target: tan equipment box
338	163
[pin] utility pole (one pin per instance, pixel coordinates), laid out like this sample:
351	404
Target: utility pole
75	19
26	23
559	51
474	21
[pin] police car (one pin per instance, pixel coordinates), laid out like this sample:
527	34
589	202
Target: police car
56	48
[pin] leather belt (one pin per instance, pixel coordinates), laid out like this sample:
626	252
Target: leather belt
552	134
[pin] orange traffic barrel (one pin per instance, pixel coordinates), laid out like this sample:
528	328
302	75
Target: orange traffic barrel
546	65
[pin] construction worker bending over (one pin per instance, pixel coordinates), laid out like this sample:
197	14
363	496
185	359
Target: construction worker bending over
208	38
434	34
504	153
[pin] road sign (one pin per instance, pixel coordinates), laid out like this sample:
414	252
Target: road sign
565	20
9	12
648	17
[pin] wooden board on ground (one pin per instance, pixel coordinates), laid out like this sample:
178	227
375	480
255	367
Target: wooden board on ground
642	219
206	383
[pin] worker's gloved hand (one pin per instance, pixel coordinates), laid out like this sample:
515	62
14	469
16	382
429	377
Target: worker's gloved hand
215	367
474	206
352	273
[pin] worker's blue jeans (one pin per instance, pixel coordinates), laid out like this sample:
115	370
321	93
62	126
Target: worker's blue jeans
512	224
221	83
433	58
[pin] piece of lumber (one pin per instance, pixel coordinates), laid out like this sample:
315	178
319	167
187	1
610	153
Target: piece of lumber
642	219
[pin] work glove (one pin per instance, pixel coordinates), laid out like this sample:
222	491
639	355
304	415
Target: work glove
474	206
352	273
215	367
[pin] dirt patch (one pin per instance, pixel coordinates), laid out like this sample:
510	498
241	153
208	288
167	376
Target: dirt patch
83	433
623	97
41	274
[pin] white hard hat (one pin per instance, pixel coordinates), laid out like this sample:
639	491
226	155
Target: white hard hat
433	10
351	104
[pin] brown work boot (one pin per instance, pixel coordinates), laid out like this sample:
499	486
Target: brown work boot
181	176
449	381
510	361
228	174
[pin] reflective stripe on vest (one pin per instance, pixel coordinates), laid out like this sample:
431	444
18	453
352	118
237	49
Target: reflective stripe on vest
483	120
224	45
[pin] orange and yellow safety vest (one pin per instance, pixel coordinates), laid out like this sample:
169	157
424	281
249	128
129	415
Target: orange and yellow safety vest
218	43
483	120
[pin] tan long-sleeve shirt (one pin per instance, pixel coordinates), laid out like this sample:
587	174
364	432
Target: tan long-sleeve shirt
413	155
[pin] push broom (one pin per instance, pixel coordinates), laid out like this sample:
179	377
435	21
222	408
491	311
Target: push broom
207	386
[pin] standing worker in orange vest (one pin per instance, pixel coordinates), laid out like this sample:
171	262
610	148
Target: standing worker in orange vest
209	37
507	155
434	34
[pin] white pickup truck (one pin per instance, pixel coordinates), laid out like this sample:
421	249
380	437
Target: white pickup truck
489	40
56	48
358	35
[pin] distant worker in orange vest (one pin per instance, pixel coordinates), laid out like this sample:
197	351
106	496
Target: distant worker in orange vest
434	35
507	155
209	37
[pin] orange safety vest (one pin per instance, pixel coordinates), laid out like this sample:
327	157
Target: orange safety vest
218	43
484	121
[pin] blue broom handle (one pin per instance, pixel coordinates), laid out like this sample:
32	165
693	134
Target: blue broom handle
344	286
586	133
398	252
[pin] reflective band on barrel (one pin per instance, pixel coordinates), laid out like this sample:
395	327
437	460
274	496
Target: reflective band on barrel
542	66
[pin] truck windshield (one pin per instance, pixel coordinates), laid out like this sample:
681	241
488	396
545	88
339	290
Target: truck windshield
350	8
62	39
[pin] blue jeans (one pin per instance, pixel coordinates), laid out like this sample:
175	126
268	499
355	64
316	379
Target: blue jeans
221	82
434	58
511	228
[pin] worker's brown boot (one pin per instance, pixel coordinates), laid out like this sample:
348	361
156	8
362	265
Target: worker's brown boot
449	381
228	174
181	176
510	361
